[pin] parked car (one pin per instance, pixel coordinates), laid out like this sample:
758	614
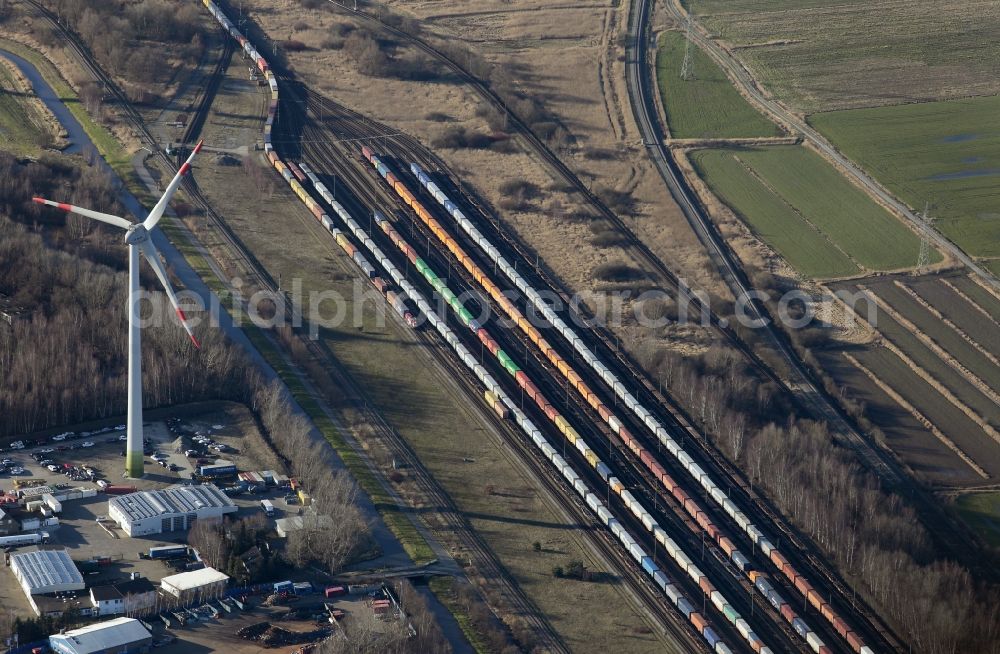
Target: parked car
53	467
87	444
59	437
123	437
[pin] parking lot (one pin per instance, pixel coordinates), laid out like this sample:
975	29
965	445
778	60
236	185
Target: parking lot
79	530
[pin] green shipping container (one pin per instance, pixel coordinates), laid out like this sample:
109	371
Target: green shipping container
507	362
730	613
465	316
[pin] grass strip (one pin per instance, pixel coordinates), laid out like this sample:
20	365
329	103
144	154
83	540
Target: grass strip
444	589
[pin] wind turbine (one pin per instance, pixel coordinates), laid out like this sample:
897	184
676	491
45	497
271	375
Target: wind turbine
137	237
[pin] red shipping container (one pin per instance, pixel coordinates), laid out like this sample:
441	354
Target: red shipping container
334	591
854	641
840	626
787	612
698	621
814	597
801	584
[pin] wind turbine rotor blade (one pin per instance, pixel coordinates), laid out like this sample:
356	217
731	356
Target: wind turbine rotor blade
117	221
161	206
153	257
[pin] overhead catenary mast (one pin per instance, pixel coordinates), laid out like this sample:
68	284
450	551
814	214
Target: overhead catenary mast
137	237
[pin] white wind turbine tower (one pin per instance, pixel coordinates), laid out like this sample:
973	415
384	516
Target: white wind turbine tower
137	237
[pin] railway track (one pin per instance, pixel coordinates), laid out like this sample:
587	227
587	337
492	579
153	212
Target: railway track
329	110
319	152
940	525
485	560
640	249
810	558
208	92
263	271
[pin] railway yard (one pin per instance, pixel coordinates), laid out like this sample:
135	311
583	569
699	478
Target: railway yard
422	233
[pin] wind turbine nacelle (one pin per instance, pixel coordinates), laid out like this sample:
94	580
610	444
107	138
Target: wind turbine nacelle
137	234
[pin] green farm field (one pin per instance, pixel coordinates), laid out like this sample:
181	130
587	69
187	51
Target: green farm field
962	312
819	55
904	435
800	205
933	365
982	512
989	302
686	100
966	434
946	337
946	154
770	217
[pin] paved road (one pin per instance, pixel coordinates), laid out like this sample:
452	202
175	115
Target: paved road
736	71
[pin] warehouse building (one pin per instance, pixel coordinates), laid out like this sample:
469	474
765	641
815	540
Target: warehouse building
204	584
170	509
46	571
112	637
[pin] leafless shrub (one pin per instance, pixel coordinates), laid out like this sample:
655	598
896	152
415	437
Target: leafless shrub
617	271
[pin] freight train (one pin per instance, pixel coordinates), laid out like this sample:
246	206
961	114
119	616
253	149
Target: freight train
296	176
632	403
532	392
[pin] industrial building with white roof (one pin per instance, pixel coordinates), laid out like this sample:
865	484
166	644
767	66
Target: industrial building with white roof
111	637
170	509
46	571
202	584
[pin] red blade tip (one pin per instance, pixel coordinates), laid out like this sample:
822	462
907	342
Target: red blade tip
197	148
38	200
